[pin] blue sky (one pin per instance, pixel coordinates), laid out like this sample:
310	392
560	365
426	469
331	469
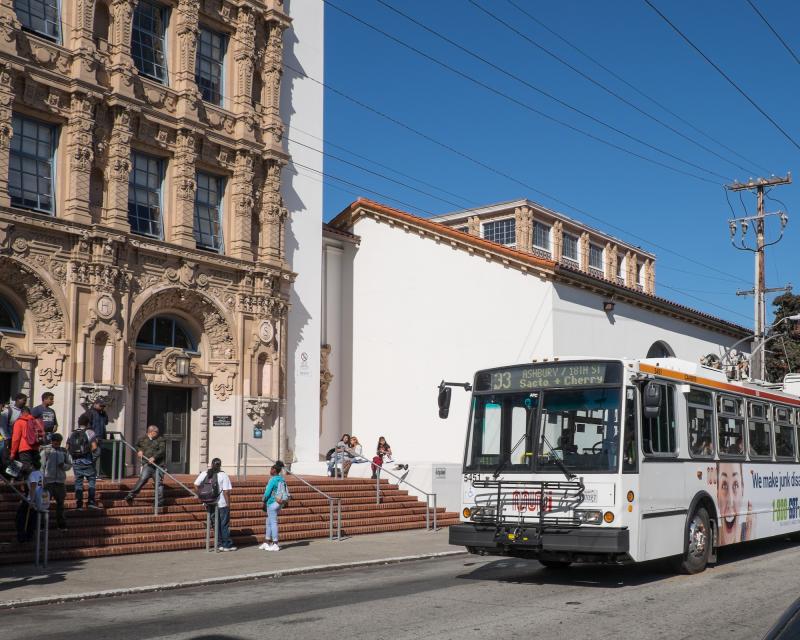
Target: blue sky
636	200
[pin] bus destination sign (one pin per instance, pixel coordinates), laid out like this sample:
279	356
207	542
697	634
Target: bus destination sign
543	376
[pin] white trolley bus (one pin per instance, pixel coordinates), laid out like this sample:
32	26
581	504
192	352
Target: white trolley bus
601	460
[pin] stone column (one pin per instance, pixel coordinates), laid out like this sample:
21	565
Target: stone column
558	240
187	31
244	46
583	251
474	226
241	241
79	22
523	223
650	277
80	154
271	241
122	68
271	72
181	226
6	129
118	169
614	262
610	261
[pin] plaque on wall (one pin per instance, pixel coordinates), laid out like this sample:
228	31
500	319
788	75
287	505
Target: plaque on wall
222	421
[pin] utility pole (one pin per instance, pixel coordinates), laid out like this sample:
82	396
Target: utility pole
758	364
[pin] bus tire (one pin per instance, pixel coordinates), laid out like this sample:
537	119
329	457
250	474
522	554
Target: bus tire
697	543
554	564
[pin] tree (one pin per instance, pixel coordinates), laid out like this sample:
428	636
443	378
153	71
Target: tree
783	353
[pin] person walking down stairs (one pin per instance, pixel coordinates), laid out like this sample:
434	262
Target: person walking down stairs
151	451
276	496
214	488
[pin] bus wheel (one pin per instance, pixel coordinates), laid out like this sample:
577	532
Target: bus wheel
698	544
554	564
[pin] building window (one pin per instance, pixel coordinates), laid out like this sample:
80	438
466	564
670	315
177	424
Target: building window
621	268
148	40
31	164
40	16
541	236
208	212
595	257
640	275
500	231
209	68
462	229
569	249
9	320
144	195
162	332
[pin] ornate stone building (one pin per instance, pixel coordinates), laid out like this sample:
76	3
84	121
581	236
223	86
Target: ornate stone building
142	250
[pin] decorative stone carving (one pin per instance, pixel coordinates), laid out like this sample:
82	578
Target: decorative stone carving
273	215
222	383
106	307
89	393
119	167
6	231
51	367
47	314
196	305
258	410
325	375
20	245
266	331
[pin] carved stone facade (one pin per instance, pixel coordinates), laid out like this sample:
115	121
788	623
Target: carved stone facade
81	286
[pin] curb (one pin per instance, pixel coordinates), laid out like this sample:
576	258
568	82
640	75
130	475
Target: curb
278	573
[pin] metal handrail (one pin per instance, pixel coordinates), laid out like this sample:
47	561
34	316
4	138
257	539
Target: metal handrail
242	454
39	512
401	480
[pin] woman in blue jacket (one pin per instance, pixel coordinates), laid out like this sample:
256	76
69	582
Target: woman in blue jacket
275	495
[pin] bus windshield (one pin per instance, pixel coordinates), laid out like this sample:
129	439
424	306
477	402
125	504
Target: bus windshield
581	428
578	426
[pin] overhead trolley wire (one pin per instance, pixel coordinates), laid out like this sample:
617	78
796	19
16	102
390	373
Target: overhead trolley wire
544	92
600	85
350	98
635	88
723	74
774	31
524	105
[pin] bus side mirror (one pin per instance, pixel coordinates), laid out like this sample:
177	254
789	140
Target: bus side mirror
444	401
652	400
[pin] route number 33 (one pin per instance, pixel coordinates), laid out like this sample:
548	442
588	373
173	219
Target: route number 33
501	381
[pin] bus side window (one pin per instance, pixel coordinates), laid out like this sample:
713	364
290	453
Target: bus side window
658	434
700	411
730	424
630	450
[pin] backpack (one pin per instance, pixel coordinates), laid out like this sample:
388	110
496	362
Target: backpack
78	444
34	432
208	490
282	494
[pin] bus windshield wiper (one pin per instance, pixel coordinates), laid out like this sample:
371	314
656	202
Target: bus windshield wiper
507	457
569	475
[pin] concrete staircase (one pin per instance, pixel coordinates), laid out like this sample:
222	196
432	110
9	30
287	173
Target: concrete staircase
119	529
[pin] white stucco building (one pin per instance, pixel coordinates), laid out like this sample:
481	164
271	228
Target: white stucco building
409	301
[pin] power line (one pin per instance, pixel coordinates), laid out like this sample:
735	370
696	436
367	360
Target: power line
634	88
595	82
347	96
704	301
520	103
542	91
375	173
775	33
723	74
376	163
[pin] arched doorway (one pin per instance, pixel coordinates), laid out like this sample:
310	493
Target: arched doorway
660	349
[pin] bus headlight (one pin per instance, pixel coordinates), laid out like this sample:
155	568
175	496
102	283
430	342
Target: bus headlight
480	512
589	517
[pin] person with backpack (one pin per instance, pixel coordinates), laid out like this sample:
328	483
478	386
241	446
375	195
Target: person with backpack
82	447
151	451
10	415
46	414
214	490
56	463
276	496
26	439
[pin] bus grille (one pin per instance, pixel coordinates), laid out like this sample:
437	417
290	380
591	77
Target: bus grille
528	502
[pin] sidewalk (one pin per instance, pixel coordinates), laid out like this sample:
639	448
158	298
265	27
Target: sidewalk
117	575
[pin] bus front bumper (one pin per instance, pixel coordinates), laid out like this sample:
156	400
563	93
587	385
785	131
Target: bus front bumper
589	543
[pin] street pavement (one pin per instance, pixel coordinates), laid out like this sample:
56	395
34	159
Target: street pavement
456	597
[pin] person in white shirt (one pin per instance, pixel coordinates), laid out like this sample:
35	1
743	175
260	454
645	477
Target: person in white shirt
216	475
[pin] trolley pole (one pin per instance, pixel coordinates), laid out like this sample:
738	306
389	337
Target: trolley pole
758	363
